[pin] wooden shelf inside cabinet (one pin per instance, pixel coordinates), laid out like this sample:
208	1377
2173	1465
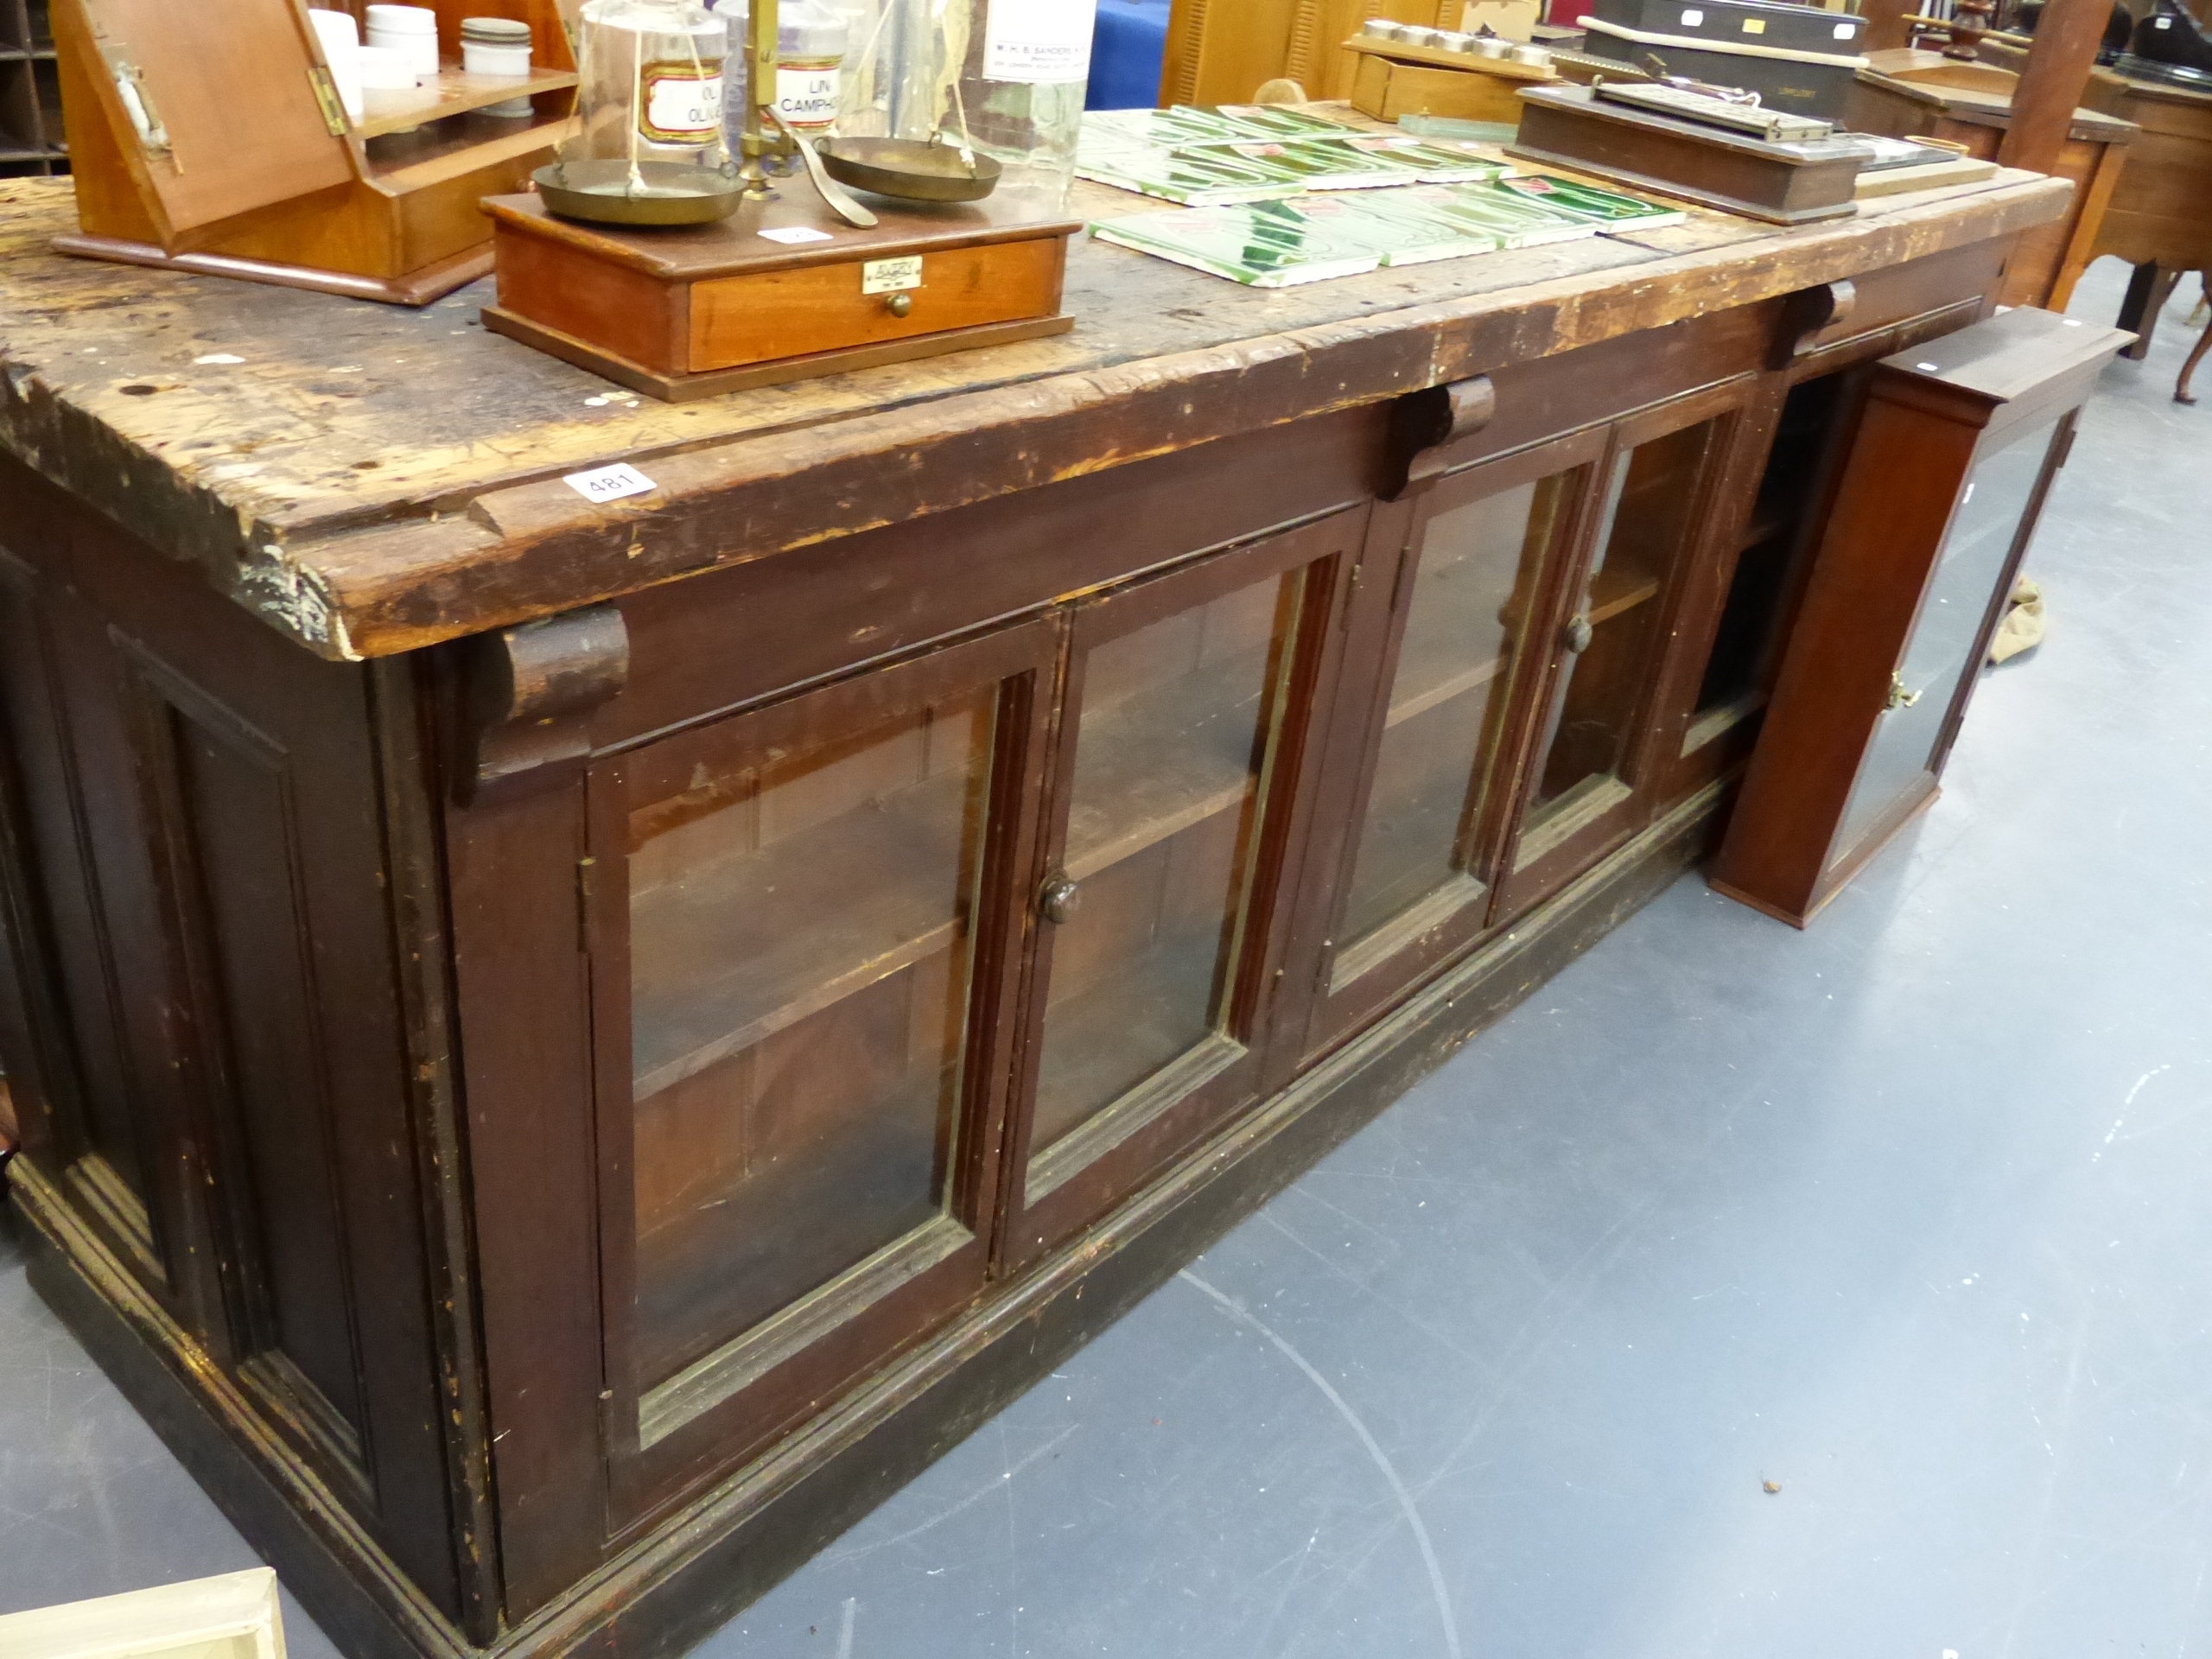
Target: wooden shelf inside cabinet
241	163
1766	524
1433	678
1939	496
1616	592
454	92
1150	774
745	949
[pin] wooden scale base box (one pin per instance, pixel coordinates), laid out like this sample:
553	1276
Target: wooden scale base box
778	291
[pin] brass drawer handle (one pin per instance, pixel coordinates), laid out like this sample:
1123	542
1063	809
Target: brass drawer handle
1058	899
899	304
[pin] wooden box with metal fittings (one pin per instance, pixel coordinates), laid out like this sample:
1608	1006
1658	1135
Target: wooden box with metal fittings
686	280
780	291
216	141
1932	512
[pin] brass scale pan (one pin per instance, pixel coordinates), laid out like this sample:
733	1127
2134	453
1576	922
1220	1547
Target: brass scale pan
906	169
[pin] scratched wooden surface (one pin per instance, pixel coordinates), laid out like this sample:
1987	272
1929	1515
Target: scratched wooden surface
371	480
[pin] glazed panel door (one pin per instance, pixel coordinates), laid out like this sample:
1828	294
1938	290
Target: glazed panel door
1929	687
1176	797
1593	771
1455	591
806	930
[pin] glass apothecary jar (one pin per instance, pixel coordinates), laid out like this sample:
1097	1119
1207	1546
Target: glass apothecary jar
1005	76
651	82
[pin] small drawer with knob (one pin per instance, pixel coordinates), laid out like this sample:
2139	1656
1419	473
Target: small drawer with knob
779	291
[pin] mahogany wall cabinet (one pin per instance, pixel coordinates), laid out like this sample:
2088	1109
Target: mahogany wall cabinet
1937	502
555	1120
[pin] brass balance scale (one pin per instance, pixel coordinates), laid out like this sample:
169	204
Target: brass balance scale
684	280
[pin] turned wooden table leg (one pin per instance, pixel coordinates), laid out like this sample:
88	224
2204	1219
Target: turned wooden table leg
2181	394
2147	294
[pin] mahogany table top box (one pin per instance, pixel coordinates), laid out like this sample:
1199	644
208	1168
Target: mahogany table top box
567	1047
696	311
1931	517
222	148
1782	183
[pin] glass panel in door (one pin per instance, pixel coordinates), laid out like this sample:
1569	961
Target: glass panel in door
1472	590
1614	635
801	938
1938	654
1178	727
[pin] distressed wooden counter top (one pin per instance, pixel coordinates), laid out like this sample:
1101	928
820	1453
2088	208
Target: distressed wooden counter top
370	479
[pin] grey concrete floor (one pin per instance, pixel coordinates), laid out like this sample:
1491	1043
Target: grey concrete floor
1905	1215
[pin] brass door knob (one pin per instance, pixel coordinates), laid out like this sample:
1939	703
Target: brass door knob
1058	899
899	304
1577	635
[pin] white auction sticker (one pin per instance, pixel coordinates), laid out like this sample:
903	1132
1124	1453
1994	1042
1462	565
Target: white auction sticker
892	275
791	235
610	483
1038	41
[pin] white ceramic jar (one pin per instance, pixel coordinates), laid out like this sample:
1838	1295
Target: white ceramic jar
411	31
498	46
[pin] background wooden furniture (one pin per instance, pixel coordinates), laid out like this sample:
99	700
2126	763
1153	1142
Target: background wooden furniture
1932	514
1907	93
2160	218
1219	51
31	140
566	1047
240	162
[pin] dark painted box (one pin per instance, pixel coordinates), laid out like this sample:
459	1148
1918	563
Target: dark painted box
1796	58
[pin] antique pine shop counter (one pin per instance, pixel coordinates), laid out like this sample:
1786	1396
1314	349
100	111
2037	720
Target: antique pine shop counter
567	1048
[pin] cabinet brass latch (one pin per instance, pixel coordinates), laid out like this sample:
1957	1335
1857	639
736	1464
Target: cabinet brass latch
1899	697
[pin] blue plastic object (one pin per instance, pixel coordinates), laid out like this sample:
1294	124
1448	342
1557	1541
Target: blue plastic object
1127	44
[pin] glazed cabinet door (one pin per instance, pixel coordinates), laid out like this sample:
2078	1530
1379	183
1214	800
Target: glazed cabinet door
1592	773
1457	587
1184	714
806	929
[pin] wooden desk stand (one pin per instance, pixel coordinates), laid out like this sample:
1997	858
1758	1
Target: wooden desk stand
680	314
229	155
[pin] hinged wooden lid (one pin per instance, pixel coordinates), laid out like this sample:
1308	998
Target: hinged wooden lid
2018	359
214	108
